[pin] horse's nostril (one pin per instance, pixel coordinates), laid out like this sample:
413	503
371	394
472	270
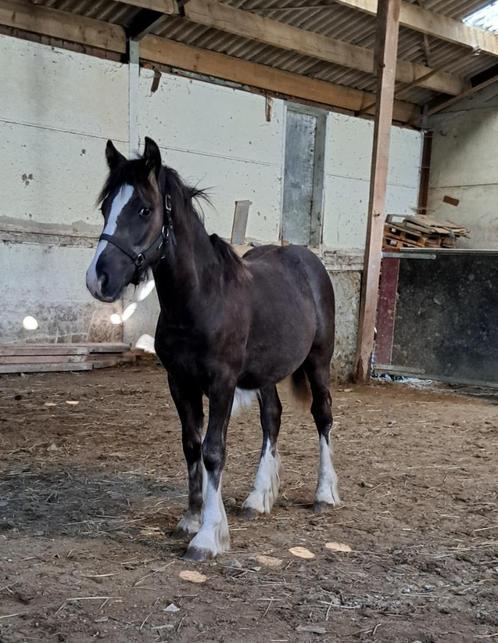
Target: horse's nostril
103	281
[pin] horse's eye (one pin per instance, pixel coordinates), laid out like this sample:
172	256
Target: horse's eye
144	212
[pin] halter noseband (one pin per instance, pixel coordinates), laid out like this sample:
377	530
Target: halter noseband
139	258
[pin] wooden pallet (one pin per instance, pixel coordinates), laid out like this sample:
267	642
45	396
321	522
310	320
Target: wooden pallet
421	232
44	358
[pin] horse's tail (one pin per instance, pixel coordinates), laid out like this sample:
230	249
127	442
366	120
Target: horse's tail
300	387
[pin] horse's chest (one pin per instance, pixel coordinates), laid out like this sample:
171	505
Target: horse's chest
180	352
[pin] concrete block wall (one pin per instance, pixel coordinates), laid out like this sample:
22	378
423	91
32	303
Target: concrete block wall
347	178
57	109
464	166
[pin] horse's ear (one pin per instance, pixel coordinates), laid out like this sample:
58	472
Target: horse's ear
152	155
113	156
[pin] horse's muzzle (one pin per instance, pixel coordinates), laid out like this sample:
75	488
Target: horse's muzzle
102	287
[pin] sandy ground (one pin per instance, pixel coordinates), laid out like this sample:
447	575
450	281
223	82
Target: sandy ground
90	493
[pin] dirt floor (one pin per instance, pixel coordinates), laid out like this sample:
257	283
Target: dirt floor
92	484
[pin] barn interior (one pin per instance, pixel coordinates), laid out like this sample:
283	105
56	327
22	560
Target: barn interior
366	133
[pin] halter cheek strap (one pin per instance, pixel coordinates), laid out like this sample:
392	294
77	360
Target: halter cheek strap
162	240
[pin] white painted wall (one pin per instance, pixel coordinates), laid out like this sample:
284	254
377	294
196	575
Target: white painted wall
218	137
347	178
464	166
57	108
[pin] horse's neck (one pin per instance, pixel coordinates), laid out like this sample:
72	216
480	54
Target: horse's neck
181	277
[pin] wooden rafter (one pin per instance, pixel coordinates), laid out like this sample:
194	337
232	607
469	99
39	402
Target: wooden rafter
218	15
63	25
175	54
436	25
435	109
101	35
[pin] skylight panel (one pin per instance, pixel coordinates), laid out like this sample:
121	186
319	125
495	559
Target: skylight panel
484	18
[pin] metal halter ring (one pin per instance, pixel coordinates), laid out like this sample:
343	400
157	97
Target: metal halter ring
167	203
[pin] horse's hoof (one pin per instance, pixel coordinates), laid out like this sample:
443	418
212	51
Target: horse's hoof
197	555
321	507
248	513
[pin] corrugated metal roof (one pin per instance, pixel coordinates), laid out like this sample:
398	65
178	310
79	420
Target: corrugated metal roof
320	16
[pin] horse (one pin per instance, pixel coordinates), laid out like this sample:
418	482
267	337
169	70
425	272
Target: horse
230	328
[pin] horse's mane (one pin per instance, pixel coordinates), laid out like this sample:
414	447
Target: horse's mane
136	173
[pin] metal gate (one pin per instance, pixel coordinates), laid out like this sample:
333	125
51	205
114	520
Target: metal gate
437	316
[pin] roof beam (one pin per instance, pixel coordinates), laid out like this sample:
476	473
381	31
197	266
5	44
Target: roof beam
456	99
209	63
436	25
212	13
62	25
69	27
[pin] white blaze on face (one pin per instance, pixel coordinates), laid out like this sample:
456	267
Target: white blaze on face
120	200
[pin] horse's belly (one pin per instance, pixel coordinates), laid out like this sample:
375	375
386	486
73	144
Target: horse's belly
276	349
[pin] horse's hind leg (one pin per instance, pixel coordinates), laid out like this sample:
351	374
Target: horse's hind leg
318	373
266	484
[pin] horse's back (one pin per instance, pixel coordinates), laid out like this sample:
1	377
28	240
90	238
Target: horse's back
292	307
294	261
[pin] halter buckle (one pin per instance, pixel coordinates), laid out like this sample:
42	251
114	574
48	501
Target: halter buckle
139	261
167	203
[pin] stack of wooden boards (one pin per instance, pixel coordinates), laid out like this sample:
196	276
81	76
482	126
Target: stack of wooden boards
43	358
421	232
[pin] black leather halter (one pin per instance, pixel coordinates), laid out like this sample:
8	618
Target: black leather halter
159	243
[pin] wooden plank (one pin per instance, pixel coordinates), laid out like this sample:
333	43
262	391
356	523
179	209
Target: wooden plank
386	312
107	347
63	349
239	225
386	48
109	357
465	94
202	61
42	359
218	15
435	25
63	25
115	362
42	349
44	368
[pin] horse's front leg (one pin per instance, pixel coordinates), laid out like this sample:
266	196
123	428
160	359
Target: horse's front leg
188	401
213	537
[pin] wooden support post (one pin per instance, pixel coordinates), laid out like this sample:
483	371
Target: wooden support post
386	52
